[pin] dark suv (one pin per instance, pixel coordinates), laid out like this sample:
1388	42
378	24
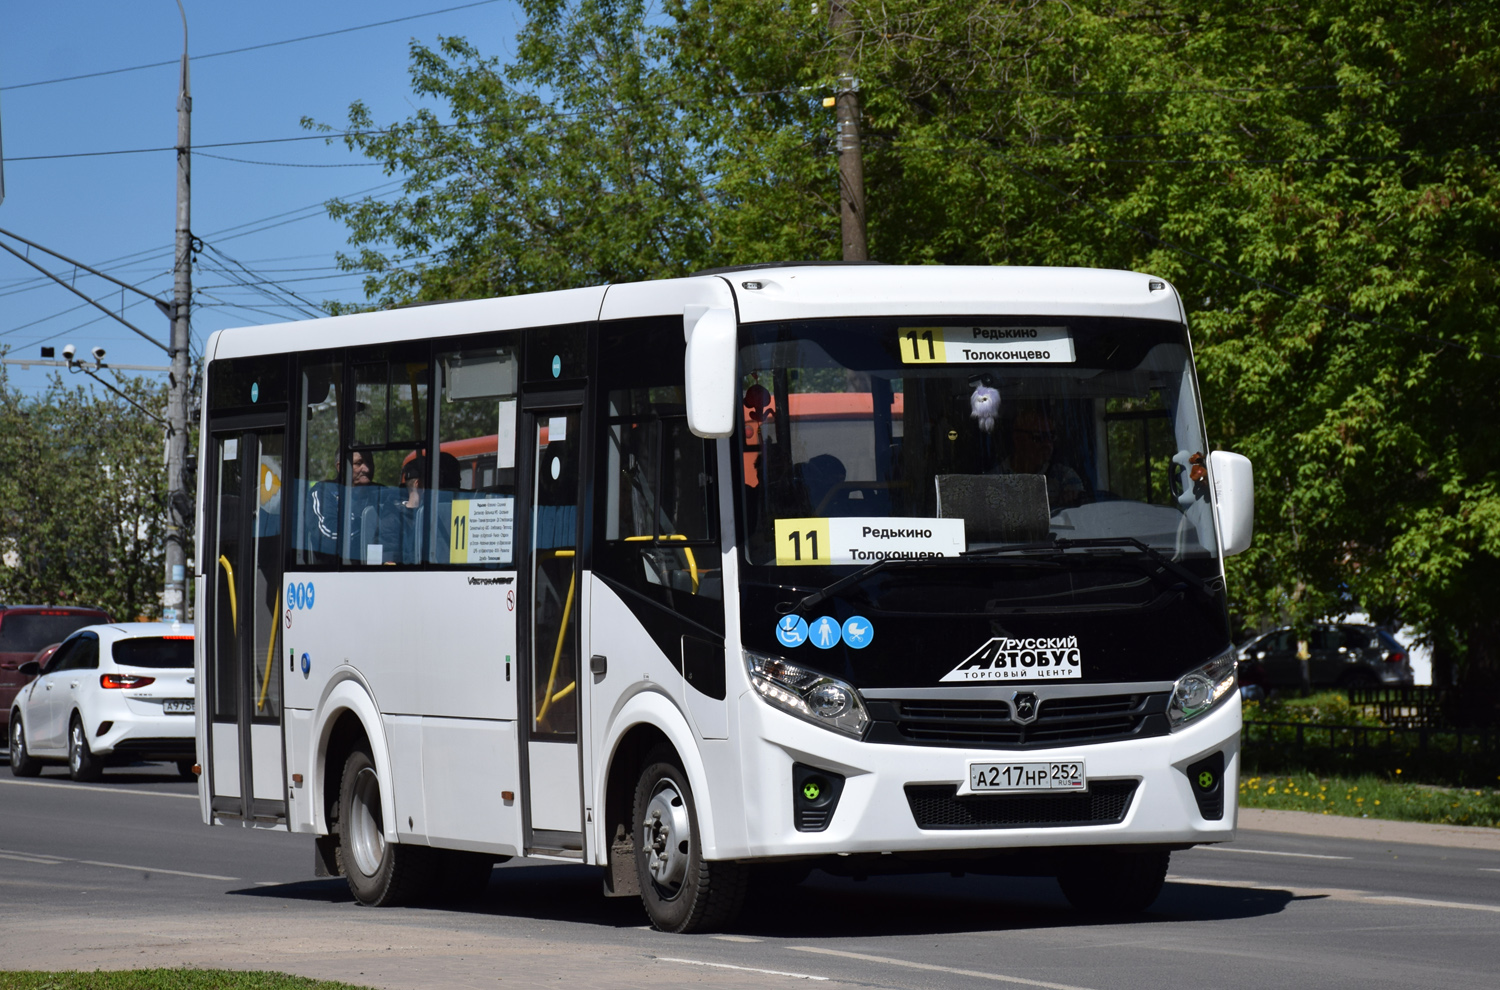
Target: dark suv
1344	655
26	629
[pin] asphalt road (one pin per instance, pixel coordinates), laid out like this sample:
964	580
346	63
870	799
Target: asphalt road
121	874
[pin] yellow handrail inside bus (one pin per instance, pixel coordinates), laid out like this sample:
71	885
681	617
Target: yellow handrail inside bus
562	632
234	609
265	682
692	564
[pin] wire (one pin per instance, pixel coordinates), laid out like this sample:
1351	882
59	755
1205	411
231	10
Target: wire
248	48
246	161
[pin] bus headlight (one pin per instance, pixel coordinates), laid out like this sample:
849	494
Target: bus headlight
807	694
1201	690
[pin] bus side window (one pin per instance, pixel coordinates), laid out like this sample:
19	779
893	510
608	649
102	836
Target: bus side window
315	534
472	509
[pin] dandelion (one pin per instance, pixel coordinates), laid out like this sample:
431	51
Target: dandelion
1377	800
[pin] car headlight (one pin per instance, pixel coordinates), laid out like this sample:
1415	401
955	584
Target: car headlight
807	694
1201	690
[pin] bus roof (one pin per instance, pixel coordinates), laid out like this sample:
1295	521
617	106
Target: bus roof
759	295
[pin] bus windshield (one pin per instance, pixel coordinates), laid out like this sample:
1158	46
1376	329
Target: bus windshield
911	438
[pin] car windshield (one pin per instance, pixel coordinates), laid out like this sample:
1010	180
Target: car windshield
154	651
869	439
28	632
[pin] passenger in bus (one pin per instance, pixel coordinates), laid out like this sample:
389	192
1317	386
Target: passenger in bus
1031	452
412	521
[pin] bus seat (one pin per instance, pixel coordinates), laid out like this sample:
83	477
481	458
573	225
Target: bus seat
996	508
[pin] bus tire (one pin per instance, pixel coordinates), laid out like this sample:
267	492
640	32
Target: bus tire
83	765
22	763
380	873
682	892
1114	881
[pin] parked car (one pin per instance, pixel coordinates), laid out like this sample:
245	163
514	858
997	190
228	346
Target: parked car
108	694
25	629
1339	655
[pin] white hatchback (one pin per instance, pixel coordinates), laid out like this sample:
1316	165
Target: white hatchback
109	694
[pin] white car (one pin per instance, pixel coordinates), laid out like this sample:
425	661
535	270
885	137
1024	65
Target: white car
110	693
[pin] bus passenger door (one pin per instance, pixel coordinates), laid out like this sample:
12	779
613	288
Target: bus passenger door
246	759
553	589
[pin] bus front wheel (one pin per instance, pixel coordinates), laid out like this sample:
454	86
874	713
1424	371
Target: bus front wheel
681	890
1114	881
380	873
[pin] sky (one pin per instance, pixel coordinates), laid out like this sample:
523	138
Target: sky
260	223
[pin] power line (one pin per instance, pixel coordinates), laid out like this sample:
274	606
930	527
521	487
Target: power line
247	48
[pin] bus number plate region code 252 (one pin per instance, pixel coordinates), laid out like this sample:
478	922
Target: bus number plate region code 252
1058	775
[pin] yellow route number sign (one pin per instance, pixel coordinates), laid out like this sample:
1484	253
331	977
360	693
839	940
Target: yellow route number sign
802	542
922	345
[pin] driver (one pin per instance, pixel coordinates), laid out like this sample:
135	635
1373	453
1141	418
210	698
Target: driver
1031	441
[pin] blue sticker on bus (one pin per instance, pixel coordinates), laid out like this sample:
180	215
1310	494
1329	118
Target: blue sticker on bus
556	365
825	633
858	631
791	630
299	595
306	665
255	391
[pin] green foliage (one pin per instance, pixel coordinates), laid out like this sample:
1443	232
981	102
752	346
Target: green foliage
1318	178
164	979
82	495
1372	796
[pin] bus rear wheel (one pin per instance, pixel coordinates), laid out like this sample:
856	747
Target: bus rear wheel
1114	881
682	892
380	873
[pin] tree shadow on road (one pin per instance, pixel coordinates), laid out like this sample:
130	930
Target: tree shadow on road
826	906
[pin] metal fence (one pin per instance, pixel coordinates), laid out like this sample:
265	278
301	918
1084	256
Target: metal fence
1423	753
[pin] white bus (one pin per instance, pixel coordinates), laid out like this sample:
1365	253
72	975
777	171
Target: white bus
713	581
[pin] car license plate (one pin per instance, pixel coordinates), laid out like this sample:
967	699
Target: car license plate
1055	775
177	706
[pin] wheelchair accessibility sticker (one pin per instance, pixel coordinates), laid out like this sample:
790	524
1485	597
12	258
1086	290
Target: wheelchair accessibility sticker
791	630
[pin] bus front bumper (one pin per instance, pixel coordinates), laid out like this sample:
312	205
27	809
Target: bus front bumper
1142	789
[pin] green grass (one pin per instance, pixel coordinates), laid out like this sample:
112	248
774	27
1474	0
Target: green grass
1370	796
165	979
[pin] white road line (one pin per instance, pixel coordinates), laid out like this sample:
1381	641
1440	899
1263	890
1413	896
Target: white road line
153	869
1423	902
268	883
30	859
742	969
736	938
1489	869
86	789
1339	893
976	974
1267	852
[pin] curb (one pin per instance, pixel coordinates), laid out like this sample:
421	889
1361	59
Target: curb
1371	829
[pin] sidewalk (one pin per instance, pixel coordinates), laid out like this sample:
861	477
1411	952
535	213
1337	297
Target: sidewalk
1373	829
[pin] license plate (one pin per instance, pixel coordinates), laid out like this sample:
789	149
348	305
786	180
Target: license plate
1056	775
177	706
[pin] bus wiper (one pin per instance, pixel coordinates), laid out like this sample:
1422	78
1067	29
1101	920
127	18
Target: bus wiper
1058	544
822	594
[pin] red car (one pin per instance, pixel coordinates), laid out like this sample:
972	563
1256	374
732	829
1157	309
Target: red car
27	629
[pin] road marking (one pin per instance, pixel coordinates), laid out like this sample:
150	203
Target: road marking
153	869
1489	869
87	789
1339	893
1423	902
977	974
1267	852
742	969
268	883
736	938
30	859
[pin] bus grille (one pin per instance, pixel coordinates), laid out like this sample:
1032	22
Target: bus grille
987	724
937	806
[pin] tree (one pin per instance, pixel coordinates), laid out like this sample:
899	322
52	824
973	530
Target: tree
82	493
1317	178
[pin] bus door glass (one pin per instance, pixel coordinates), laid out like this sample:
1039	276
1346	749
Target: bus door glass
244	692
555	595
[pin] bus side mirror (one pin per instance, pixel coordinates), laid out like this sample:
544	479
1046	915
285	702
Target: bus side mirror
1234	498
712	395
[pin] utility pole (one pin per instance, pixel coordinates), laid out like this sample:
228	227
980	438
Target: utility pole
851	155
179	501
